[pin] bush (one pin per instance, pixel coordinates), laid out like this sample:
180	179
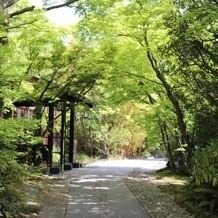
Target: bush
11	176
201	194
12	173
205	169
200	200
83	158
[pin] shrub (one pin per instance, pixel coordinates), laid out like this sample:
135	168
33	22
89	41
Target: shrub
201	194
12	173
205	169
83	158
11	176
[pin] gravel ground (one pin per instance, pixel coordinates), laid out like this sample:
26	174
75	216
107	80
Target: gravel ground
156	203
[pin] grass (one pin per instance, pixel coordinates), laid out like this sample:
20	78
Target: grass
167	176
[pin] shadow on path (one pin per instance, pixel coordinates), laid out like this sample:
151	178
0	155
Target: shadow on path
97	191
101	192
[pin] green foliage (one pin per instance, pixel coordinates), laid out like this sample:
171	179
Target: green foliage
199	200
206	127
201	195
130	76
205	169
202	201
111	131
37	171
108	53
83	158
192	47
167	175
12	174
56	155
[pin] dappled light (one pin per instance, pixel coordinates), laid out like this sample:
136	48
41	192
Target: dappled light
126	80
98	190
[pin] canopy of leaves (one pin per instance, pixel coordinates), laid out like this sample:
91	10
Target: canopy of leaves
144	63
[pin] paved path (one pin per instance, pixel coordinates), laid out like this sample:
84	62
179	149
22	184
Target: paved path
96	191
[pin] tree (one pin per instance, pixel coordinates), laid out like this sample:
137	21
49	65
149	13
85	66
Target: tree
110	130
19	14
180	41
136	56
143	41
161	54
193	44
30	46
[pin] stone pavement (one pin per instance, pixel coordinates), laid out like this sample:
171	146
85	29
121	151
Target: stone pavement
55	202
92	192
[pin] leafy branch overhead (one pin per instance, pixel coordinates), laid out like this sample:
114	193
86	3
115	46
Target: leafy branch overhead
150	67
10	3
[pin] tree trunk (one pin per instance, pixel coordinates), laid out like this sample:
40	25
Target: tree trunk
1	107
165	139
38	132
185	139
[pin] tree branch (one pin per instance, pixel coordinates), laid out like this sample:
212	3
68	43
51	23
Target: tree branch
21	25
66	4
140	5
31	8
143	77
9	3
139	97
22	11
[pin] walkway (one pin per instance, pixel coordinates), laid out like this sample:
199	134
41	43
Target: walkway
95	191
